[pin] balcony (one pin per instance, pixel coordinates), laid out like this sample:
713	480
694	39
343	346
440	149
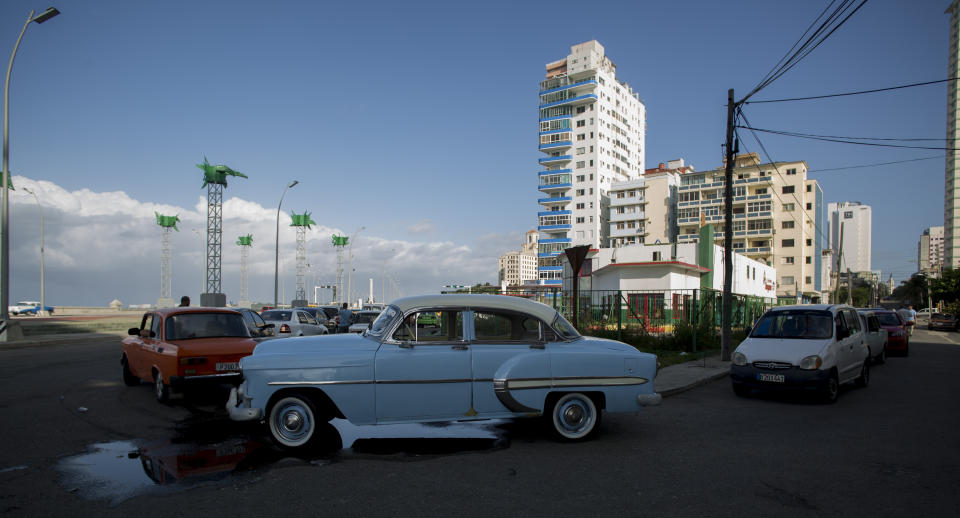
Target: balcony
559	200
556	146
555	159
573	101
761	232
565	84
627	232
629	200
548	228
628	216
555	187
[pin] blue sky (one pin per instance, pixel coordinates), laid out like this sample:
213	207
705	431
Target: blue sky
418	121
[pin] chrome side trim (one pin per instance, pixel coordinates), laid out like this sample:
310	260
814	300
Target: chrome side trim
295	383
574	381
369	382
503	394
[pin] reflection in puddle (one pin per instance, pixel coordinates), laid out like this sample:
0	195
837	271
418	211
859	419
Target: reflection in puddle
205	452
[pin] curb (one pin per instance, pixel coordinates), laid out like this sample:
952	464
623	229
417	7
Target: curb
695	384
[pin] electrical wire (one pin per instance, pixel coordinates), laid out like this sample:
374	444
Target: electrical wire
842	140
875	90
875	165
798	134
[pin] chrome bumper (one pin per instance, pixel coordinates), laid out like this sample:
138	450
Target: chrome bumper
238	413
649	399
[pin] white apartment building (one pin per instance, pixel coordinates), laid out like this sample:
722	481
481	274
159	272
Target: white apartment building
517	267
777	219
644	211
930	251
592	131
951	201
850	221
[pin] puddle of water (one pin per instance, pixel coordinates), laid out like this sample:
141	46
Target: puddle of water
209	451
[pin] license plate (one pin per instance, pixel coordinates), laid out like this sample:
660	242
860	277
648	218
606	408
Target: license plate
228	366
775	378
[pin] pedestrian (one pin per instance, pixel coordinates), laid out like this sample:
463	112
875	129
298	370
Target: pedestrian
184	301
911	317
346	317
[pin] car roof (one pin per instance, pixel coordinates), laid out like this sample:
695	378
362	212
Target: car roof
504	302
820	307
180	311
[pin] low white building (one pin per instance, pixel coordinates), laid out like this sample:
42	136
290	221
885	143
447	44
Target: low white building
671	267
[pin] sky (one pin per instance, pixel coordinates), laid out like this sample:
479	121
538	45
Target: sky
417	123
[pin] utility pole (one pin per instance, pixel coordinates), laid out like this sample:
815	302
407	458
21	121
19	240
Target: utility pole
839	268
725	345
849	287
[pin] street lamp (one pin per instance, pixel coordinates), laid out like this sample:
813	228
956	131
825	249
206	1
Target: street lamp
43	303
5	211
276	254
350	266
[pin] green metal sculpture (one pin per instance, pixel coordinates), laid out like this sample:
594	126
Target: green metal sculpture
217	173
167	221
246	240
301	220
340	240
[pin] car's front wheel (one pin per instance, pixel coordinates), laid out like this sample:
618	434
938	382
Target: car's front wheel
574	417
831	389
864	379
293	421
128	378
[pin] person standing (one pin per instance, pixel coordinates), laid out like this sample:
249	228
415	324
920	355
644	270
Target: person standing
346	318
184	301
911	317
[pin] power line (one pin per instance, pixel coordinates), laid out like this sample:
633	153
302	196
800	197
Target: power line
851	93
875	165
798	134
842	141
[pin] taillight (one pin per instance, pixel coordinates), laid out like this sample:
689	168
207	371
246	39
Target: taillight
284	328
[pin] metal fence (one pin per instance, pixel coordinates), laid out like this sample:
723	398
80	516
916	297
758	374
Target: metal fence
682	320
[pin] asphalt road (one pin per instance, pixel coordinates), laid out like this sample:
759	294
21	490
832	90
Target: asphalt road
76	441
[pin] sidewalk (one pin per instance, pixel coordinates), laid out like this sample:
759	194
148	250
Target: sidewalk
685	376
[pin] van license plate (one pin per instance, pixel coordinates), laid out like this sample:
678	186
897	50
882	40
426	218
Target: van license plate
228	366
776	378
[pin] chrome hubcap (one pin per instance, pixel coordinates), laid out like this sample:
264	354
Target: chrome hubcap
573	416
292	421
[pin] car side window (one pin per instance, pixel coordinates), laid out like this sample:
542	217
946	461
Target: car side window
155	327
301	317
431	326
841	326
852	321
496	326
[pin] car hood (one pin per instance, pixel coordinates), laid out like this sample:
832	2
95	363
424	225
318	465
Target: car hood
607	343
790	350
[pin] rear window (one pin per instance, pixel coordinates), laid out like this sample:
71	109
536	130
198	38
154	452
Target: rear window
205	325
276	315
889	319
801	324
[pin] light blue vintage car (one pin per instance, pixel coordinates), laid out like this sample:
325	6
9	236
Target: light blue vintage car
444	358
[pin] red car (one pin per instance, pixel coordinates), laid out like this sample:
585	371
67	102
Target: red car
898	336
178	347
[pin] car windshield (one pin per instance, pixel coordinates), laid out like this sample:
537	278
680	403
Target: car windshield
276	315
564	328
365	318
383	321
329	312
205	325
803	324
889	319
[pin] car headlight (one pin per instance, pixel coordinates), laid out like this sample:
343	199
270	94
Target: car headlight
739	359
811	362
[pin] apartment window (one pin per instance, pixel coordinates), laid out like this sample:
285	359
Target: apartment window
579	192
689	196
591	190
591	163
809	188
761	224
657	256
848	214
581	178
580	136
789	206
591	149
808	280
791	171
762	190
787	224
621	226
739	226
740	191
788	189
809	206
809	242
580	206
759	206
581	123
591	134
581	150
808	259
581	164
786	280
580	220
787	260
688	213
581	109
786	243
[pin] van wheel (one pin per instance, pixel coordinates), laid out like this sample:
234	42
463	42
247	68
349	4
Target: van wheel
864	379
831	389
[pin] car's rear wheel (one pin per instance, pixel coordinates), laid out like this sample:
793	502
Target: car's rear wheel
293	421
160	389
864	379
831	389
575	417
128	378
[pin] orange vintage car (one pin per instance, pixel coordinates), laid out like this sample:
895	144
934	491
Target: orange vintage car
178	347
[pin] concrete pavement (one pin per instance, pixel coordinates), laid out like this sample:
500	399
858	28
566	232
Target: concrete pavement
685	376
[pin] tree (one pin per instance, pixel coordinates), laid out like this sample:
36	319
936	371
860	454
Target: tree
946	288
912	291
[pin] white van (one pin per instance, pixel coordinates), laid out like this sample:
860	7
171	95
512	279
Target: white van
813	348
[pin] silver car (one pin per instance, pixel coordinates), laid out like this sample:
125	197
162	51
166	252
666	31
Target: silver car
362	320
293	322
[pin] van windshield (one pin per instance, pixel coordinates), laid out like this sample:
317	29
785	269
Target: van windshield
803	324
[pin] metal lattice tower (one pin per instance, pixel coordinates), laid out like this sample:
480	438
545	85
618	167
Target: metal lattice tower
167	225
214	179
340	243
302	222
245	243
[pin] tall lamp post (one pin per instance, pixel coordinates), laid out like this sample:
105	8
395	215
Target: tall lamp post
276	253
5	226
43	302
350	266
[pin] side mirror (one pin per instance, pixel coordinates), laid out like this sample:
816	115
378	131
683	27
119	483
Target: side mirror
133	331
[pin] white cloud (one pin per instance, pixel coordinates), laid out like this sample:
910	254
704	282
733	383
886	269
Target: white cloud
424	226
106	245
